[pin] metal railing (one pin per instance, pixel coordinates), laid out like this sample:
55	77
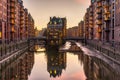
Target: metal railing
8	49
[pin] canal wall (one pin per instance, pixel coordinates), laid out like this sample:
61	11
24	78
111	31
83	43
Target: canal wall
8	49
16	64
108	50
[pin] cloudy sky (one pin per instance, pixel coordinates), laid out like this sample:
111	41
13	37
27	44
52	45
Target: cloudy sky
41	10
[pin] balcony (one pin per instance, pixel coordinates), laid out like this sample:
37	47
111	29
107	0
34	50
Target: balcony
99	11
12	10
21	23
99	30
21	18
99	5
12	5
12	21
107	16
86	23
12	16
21	11
91	22
91	14
26	17
99	17
107	12
21	31
99	22
26	23
12	29
12	1
106	4
26	33
107	19
91	18
91	26
21	14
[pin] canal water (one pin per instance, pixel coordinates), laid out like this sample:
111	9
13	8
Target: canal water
69	63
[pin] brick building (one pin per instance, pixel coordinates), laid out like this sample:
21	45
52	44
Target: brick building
81	29
56	30
99	20
14	21
117	22
73	32
3	20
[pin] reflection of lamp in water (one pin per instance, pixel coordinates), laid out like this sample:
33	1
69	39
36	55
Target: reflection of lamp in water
55	71
50	71
16	76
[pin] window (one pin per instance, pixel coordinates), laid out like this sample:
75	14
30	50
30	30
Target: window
112	34
113	23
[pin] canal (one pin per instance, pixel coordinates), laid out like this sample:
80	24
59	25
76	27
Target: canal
73	61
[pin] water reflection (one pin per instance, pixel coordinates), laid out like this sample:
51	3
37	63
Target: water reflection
97	69
17	68
55	65
56	62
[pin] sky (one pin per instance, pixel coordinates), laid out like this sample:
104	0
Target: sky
42	10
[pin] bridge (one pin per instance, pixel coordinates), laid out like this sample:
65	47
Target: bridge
38	38
43	40
74	38
37	41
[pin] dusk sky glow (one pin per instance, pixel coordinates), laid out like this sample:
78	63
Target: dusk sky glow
41	10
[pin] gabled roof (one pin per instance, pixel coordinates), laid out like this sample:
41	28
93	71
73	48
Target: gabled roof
55	20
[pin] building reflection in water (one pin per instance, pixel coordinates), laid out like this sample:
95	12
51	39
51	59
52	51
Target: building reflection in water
56	63
96	69
17	67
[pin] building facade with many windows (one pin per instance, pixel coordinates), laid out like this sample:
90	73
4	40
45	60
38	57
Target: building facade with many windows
117	21
14	25
100	21
56	30
81	29
3	20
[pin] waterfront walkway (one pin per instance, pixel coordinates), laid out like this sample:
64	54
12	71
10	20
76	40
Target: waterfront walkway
14	53
108	50
95	53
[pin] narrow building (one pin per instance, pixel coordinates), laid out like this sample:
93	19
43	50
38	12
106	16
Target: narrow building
81	29
86	25
56	30
117	22
99	21
3	21
31	30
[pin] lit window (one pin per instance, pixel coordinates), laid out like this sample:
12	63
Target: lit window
0	35
55	22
